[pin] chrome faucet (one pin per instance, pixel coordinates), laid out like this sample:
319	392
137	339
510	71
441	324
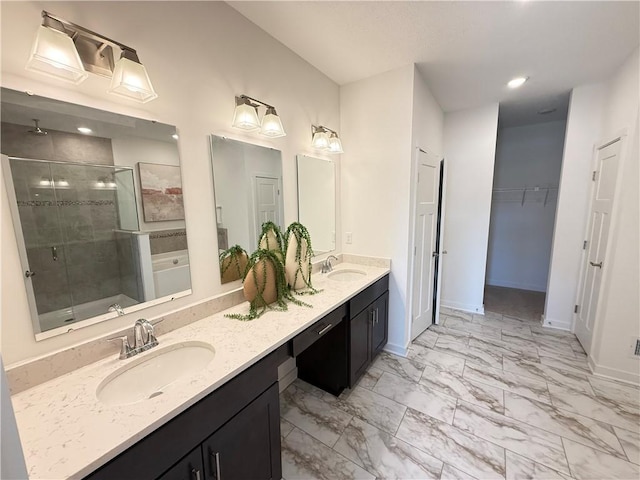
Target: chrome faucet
115	307
326	265
144	338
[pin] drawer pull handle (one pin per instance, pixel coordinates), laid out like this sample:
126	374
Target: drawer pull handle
196	474
216	468
599	265
325	329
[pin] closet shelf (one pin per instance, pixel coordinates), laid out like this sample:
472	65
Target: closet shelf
522	195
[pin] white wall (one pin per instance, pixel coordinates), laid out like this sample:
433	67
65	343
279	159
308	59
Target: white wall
520	234
384	118
584	128
376	135
469	152
618	316
197	66
128	152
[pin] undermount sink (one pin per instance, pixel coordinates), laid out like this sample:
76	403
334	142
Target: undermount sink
346	275
148	376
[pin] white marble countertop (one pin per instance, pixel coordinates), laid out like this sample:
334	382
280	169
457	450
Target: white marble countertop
66	432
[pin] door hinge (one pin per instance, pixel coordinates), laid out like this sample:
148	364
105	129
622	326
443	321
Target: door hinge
593	177
584	245
418	177
415	251
575	309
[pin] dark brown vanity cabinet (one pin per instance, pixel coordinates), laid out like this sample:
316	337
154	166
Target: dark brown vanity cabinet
368	327
233	433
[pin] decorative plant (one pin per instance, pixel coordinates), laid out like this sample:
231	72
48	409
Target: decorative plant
271	238
264	285
298	259
233	264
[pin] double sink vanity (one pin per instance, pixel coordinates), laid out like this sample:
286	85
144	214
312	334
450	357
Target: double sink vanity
204	403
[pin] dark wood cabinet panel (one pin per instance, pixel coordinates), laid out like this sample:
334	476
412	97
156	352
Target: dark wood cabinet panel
189	468
360	345
380	326
248	446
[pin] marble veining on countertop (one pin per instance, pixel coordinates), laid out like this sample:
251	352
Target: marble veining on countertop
66	432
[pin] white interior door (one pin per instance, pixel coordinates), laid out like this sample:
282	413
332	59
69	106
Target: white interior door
605	178
267	201
425	217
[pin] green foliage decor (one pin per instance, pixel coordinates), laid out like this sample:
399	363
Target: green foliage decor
234	251
259	306
301	234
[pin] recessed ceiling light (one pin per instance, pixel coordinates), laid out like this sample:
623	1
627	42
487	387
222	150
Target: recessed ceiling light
175	136
85	130
517	82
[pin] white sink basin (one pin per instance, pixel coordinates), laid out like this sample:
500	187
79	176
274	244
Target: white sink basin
346	275
148	376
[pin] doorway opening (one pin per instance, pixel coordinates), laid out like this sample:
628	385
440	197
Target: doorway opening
529	154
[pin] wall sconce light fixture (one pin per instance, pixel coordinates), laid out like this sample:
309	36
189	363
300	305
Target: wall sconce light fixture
245	117
325	139
69	52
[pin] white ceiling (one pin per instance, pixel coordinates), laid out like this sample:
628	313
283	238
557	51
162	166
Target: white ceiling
466	51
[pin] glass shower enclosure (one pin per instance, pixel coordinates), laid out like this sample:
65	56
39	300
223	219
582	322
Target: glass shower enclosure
71	219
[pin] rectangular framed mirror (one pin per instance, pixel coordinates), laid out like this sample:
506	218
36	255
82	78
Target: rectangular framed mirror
247	182
78	181
317	201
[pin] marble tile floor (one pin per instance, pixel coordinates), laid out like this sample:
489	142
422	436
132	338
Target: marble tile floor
511	400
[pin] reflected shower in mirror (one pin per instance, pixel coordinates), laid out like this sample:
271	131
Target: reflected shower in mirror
317	201
79	180
248	192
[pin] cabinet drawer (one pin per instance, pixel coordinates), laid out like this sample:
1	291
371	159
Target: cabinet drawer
316	331
365	298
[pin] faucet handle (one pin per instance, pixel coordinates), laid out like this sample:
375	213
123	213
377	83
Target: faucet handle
125	348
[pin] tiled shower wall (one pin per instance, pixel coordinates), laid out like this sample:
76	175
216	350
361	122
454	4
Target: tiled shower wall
163	241
78	221
56	145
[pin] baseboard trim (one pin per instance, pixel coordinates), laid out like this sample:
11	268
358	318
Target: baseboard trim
396	349
557	324
613	373
519	286
465	307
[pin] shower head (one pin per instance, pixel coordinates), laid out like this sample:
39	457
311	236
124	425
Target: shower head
37	130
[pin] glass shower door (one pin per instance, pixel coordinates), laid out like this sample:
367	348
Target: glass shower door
45	265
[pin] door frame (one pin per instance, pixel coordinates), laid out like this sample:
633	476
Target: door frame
412	231
606	270
437	287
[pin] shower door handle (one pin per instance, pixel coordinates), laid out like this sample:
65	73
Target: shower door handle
29	273
54	253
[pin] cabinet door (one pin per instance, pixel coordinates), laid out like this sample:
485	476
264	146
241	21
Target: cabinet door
189	468
248	445
360	344
380	325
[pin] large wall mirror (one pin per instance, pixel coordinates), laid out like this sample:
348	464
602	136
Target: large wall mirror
248	192
97	207
317	201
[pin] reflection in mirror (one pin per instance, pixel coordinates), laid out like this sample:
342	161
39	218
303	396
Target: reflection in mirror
78	181
248	192
317	201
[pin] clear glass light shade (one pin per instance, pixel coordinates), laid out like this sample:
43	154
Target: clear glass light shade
320	140
54	54
335	145
130	80
271	124
246	117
